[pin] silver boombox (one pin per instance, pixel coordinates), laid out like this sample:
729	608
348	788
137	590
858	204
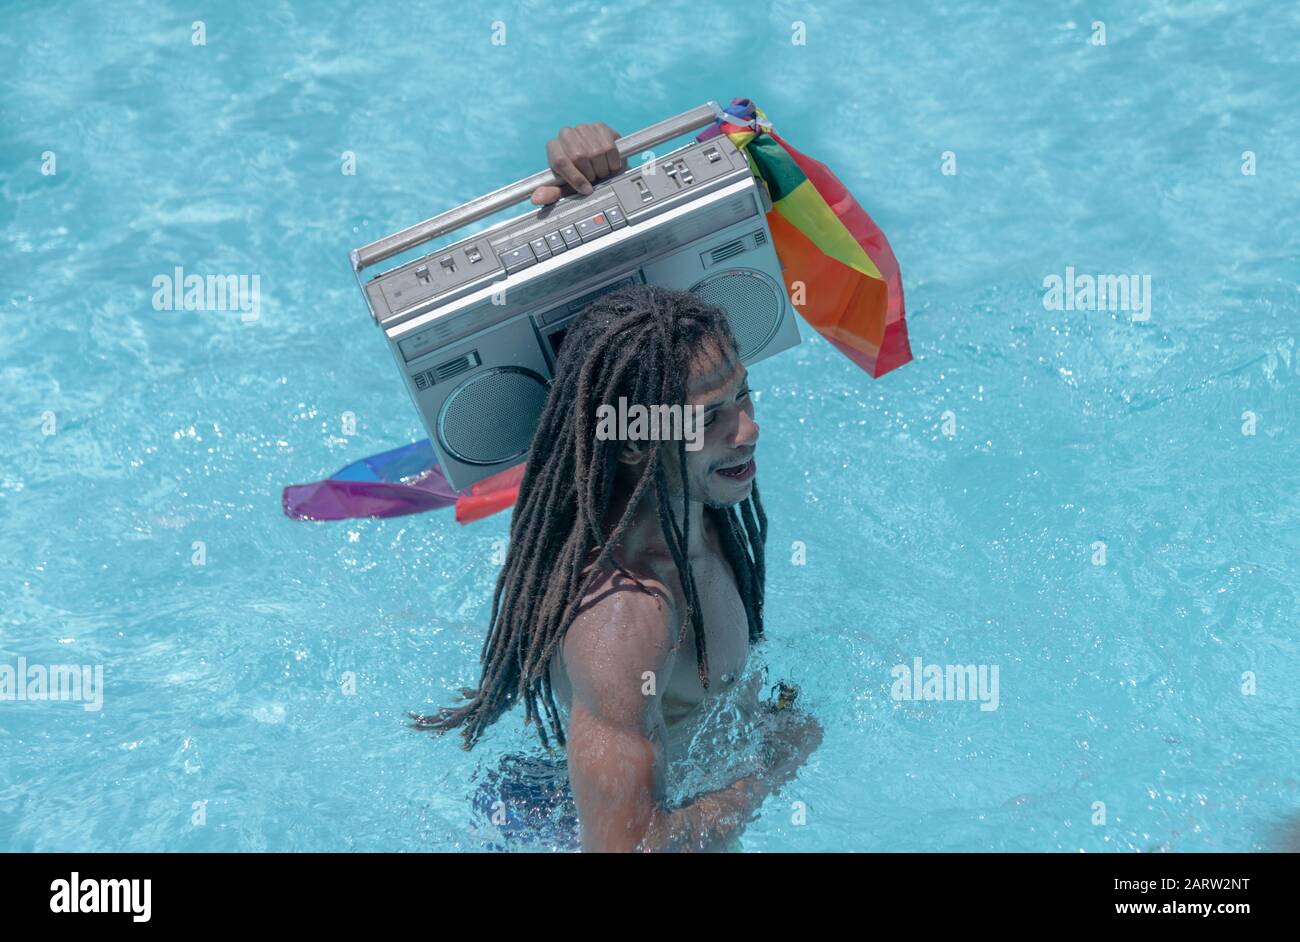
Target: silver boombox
475	326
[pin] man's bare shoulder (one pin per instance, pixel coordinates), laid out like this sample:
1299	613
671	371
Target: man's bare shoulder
625	627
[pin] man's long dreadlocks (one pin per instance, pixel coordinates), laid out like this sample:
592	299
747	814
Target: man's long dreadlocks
636	342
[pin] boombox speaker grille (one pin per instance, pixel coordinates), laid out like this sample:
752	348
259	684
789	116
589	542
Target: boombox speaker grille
491	417
752	301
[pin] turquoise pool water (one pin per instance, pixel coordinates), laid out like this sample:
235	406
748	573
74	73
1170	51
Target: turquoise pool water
967	538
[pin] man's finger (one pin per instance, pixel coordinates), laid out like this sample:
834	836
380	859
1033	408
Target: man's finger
572	150
564	168
615	159
546	195
596	147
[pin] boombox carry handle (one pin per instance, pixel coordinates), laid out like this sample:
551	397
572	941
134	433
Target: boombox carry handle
508	196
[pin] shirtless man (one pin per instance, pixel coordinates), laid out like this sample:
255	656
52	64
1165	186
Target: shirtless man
633	586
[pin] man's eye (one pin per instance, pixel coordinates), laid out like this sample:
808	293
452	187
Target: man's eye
740	397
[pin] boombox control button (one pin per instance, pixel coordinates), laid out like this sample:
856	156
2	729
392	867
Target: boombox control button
540	249
593	227
571	237
615	217
556	242
517	258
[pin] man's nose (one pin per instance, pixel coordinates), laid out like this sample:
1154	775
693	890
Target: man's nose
746	431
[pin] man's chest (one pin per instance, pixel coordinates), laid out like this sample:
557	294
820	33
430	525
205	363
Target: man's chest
726	634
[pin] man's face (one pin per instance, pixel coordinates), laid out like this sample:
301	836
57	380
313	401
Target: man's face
721	472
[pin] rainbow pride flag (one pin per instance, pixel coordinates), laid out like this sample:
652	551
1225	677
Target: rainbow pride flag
839	269
405	480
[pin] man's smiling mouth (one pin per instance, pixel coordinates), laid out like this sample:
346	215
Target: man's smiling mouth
741	471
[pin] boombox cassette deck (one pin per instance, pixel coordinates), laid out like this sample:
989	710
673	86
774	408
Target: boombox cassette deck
475	326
